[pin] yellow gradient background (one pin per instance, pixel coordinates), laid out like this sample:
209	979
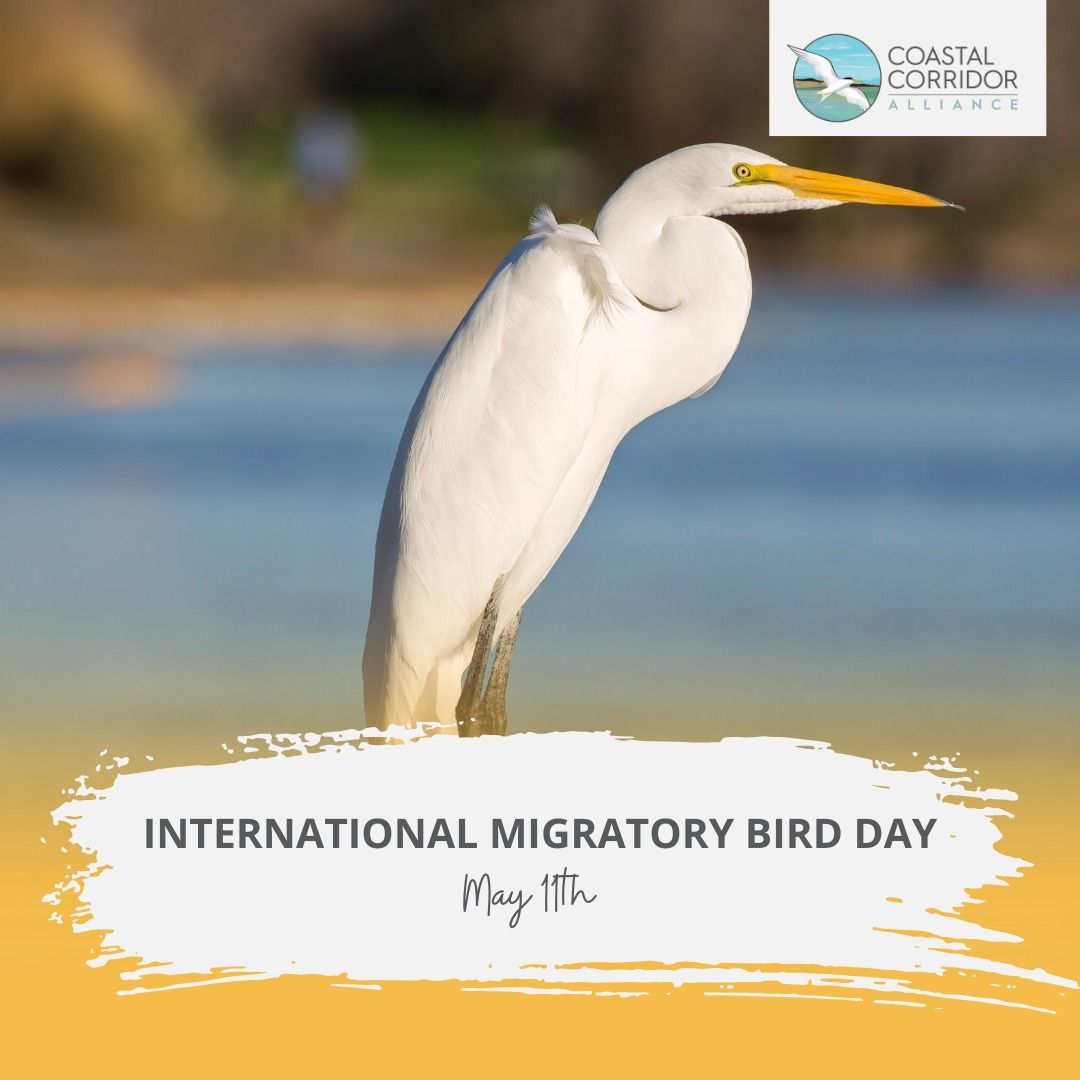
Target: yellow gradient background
65	1018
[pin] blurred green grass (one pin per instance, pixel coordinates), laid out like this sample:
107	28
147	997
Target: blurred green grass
428	175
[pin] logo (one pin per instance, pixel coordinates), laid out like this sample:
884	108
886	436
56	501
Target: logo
836	78
922	67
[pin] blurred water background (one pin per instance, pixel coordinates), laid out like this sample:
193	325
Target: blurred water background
232	240
874	517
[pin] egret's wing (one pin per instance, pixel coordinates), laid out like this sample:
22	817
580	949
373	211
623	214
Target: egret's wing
854	96
822	68
497	426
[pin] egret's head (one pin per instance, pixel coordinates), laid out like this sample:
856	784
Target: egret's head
757	184
713	181
718	180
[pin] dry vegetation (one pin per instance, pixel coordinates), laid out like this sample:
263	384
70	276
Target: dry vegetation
147	141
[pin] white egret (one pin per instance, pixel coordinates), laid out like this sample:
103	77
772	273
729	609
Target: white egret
843	88
577	337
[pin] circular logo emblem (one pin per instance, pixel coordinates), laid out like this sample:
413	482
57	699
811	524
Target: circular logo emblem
837	77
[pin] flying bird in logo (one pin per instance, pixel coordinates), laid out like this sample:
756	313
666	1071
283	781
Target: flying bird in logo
843	88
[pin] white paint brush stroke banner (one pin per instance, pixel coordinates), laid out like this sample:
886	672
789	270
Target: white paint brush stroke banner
838	917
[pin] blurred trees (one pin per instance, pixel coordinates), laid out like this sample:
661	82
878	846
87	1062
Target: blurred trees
87	121
131	107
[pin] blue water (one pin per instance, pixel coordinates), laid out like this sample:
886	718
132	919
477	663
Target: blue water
834	108
880	501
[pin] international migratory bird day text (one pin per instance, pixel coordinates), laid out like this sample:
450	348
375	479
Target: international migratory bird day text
632	833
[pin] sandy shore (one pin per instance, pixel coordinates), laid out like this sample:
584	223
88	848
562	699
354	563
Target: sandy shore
332	310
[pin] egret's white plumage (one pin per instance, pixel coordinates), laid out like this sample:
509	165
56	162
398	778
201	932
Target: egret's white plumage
834	84
577	337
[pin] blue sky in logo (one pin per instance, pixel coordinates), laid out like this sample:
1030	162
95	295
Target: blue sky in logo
849	56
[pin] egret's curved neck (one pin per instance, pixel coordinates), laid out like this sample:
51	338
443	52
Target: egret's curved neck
664	246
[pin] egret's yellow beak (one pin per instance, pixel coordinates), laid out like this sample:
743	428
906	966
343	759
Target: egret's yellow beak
819	185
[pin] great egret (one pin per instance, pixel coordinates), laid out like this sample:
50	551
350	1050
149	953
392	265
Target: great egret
843	88
577	337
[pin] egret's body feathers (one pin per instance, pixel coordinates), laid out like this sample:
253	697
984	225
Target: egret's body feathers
490	451
577	337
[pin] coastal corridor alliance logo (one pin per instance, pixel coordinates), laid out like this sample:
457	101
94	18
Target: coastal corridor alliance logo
966	67
836	78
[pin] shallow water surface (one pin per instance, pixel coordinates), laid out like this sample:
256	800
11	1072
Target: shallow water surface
879	502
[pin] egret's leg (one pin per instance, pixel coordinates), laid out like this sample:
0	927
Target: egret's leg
493	703
467	712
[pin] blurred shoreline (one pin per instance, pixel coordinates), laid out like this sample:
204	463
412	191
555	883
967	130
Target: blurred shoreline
85	316
394	310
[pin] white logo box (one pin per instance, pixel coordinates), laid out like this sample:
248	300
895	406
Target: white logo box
976	43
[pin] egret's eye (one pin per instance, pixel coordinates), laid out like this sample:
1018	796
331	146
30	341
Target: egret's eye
742	171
